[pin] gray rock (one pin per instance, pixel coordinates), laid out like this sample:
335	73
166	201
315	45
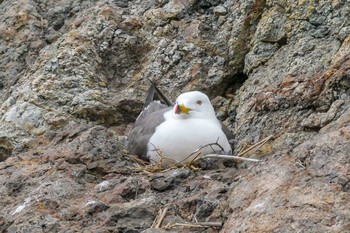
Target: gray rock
103	186
93	207
163	181
220	10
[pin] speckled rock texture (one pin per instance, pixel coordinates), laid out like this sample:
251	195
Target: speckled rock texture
73	78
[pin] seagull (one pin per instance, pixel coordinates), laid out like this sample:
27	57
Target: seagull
178	133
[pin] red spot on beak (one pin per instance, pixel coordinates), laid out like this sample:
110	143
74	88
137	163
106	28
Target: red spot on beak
177	109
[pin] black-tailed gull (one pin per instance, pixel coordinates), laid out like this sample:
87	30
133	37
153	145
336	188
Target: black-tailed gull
169	135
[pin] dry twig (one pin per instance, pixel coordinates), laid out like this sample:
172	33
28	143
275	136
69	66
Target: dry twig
196	224
159	218
259	144
199	151
158	167
232	157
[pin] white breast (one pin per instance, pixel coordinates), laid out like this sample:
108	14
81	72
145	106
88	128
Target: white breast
176	139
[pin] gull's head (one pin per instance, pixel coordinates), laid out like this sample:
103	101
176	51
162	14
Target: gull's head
194	104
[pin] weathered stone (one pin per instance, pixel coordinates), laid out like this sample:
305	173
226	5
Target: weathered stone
163	181
93	207
220	10
310	165
103	186
6	149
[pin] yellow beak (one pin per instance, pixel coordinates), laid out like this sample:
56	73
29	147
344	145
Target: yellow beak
180	108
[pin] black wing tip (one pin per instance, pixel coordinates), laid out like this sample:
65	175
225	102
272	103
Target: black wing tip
149	97
154	89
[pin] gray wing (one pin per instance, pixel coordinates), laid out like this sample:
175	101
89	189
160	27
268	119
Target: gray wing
144	127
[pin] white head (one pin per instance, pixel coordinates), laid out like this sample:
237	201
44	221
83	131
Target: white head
194	104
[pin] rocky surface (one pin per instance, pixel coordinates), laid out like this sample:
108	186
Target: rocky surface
73	76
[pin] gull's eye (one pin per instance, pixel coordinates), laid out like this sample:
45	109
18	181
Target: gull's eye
199	102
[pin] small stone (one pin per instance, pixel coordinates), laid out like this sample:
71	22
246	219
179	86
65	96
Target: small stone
102	84
220	10
163	181
205	208
103	186
94	207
